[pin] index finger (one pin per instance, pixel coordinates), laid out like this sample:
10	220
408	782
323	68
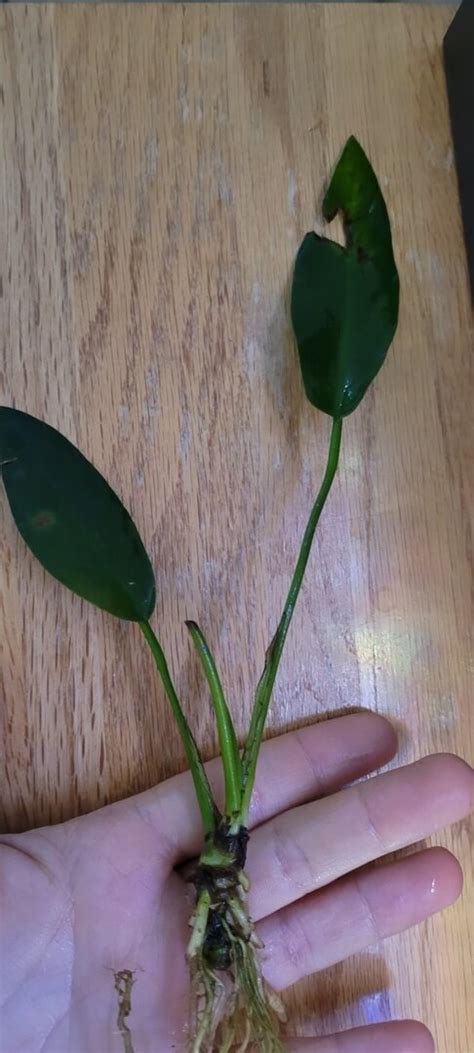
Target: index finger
292	769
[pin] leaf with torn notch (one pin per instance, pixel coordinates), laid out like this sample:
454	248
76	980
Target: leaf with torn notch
344	302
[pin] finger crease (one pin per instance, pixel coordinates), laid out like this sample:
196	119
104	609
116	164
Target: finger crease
369	912
296	944
373	830
314	769
293	862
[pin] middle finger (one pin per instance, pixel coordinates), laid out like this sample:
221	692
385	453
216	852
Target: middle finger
310	846
355	912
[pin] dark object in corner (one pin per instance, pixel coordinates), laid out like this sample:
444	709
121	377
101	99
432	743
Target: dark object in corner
459	67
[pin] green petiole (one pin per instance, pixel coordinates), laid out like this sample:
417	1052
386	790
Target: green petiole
209	812
239	774
227	739
274	653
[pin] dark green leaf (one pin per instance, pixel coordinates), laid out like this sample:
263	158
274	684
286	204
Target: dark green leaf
344	303
72	520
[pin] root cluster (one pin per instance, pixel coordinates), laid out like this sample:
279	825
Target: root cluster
233	1010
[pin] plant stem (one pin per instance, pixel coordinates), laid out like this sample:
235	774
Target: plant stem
209	812
227	738
275	650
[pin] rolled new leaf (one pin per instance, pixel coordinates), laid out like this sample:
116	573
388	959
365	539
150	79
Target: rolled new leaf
72	520
344	303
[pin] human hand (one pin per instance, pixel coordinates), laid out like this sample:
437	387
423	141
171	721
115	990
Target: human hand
100	894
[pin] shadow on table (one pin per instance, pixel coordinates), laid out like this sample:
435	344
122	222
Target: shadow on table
351	994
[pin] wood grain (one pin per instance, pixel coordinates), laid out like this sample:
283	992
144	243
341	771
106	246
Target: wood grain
159	168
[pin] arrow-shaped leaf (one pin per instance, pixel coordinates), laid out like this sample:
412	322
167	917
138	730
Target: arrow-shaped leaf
345	300
72	520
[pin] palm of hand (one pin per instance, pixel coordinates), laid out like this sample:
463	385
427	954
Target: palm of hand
94	897
100	894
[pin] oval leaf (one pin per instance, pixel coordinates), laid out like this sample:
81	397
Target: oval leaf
72	520
344	303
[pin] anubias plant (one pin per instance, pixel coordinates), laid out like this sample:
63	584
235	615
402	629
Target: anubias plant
344	309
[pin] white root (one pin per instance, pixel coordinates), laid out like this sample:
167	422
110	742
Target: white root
233	1009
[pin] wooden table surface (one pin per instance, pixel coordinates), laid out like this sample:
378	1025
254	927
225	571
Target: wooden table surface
160	166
